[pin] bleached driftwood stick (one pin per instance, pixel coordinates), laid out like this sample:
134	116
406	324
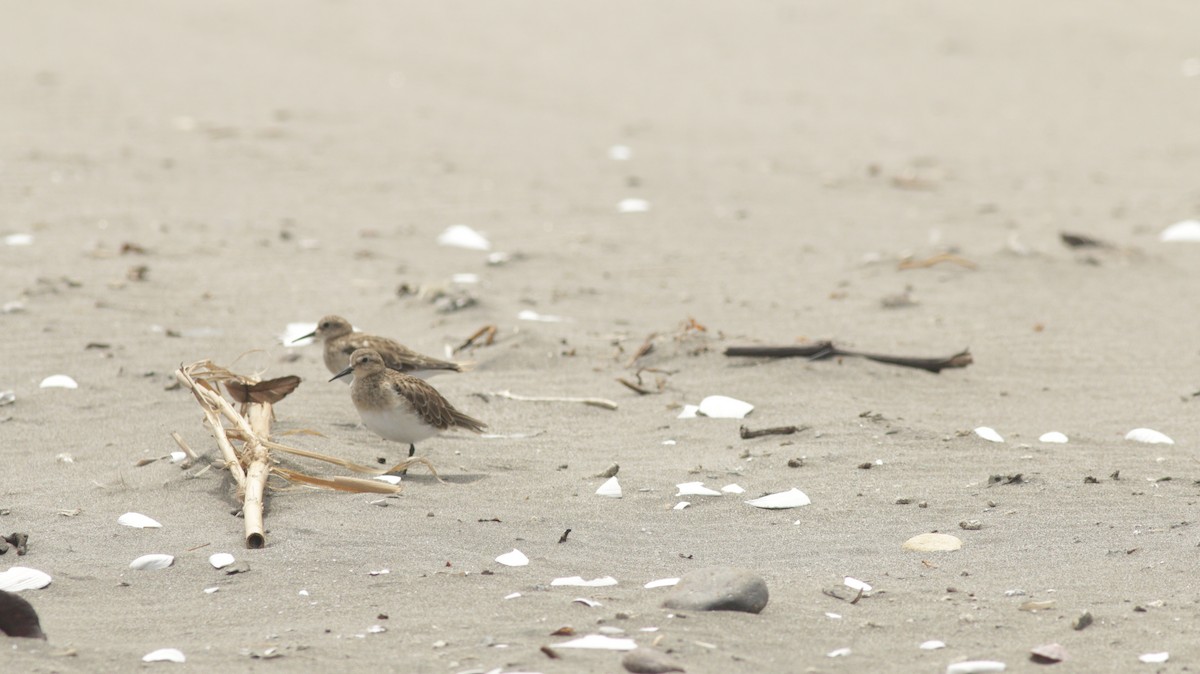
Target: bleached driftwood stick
594	402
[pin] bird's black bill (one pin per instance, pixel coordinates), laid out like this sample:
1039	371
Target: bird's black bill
343	373
311	334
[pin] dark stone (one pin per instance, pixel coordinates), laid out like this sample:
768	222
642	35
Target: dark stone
649	661
719	589
17	617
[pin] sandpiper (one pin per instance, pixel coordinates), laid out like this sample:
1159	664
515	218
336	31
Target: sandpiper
341	340
398	406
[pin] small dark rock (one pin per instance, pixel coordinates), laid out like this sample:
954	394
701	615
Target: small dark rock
719	589
649	661
17	617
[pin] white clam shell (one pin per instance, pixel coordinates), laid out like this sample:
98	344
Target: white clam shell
611	488
932	543
138	521
462	236
932	645
152	562
578	581
1148	435
976	667
1154	658
1185	231
165	655
20	578
294	331
633	205
221	560
856	584
59	381
724	407
514	558
695	489
792	498
988	434
601	642
661	582
1053	437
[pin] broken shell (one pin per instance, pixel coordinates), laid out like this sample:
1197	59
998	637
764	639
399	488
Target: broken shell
599	641
512	595
620	153
59	381
688	412
610	488
1053	437
7	397
661	582
295	331
932	543
1154	658
1148	435
462	236
733	489
176	457
1187	230
681	505
932	645
988	434
18	240
839	653
514	558
856	584
221	560
390	479
578	581
976	667
138	521
724	407
531	315
695	489
1048	653
792	498
23	578
633	206
590	603
164	655
152	562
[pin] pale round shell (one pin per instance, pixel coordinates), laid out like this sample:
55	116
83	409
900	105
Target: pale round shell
988	434
1149	436
976	667
462	236
1053	437
932	543
165	655
221	560
20	578
152	562
1185	231
138	521
59	381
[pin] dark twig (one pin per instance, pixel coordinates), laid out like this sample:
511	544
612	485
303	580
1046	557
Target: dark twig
747	434
634	387
824	350
486	335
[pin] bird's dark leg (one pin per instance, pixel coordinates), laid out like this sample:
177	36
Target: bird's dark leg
412	449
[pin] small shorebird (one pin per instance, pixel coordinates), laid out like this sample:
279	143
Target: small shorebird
341	340
398	406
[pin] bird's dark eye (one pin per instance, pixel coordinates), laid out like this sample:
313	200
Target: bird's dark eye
325	324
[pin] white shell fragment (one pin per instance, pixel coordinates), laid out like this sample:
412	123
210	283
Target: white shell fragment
681	505
152	562
792	498
390	479
165	655
531	315
512	595
18	240
1053	437
932	543
465	278
932	645
1154	658
221	560
1186	231
601	642
976	667
59	381
839	653
177	457
661	582
514	558
7	398
633	206
295	331
1148	435
695	489
578	581
211	590
688	412
733	489
138	521
724	407
590	603
988	434
620	153
23	578
611	488
856	584
461	236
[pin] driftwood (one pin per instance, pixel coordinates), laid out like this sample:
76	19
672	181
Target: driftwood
825	350
250	461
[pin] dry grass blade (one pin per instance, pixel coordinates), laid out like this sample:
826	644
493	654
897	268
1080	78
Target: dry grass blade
350	484
594	402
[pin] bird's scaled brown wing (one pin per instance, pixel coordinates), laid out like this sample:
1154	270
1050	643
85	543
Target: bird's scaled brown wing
433	408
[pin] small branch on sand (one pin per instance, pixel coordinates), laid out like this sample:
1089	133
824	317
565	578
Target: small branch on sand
594	402
825	350
747	434
485	335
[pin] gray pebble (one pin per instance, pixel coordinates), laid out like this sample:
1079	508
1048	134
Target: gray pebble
719	589
649	661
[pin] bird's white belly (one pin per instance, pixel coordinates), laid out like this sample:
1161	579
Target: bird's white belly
397	424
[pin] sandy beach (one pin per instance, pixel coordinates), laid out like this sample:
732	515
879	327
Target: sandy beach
182	181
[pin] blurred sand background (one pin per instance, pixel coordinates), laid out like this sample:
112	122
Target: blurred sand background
278	161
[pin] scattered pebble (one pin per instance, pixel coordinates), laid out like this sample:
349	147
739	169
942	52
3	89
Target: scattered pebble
1082	621
988	434
462	236
1149	436
649	661
970	525
932	543
719	589
1047	654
